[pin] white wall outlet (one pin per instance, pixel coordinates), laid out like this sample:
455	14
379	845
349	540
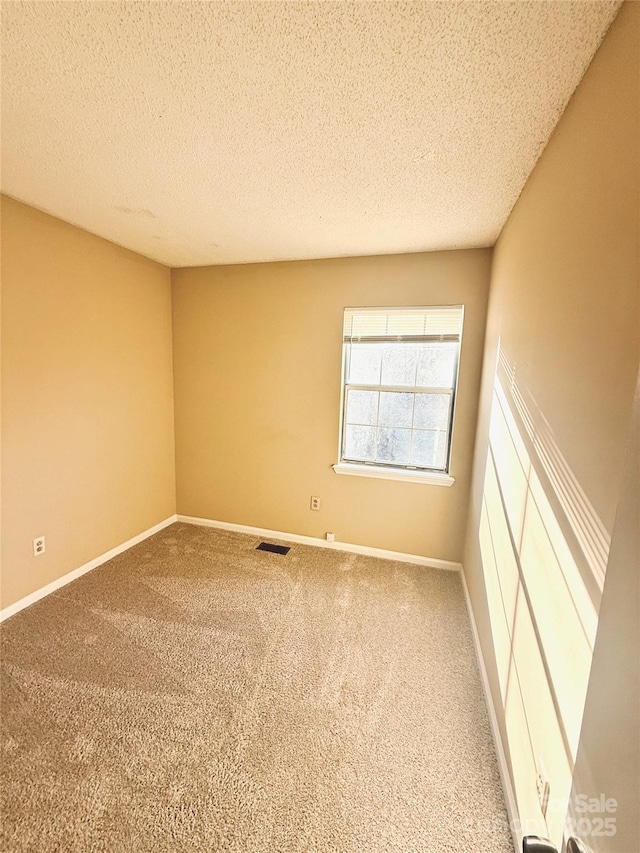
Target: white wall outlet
315	503
331	537
38	546
542	787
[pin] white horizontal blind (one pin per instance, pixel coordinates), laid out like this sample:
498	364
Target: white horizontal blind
435	323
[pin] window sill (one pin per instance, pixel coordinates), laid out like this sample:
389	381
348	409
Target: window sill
427	477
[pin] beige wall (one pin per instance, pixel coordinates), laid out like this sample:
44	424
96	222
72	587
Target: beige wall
563	329
257	362
87	399
608	758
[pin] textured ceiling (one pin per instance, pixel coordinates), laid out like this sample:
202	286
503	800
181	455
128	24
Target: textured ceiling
211	133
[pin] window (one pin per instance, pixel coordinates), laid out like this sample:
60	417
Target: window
400	367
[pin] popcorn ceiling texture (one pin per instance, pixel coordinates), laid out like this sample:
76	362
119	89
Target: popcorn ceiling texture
194	694
212	133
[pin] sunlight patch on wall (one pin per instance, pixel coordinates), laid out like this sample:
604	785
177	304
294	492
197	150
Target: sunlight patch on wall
589	531
544	553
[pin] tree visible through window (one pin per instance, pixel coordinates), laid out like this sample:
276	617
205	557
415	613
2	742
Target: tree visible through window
399	383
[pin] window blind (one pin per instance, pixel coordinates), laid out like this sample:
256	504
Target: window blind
439	323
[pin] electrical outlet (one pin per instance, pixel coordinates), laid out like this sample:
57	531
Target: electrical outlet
38	546
542	787
315	503
331	537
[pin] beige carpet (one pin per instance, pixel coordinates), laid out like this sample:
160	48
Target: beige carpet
194	694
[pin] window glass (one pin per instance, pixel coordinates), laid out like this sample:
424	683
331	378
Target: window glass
431	411
362	407
394	445
396	409
399	364
429	448
364	364
360	442
436	365
400	373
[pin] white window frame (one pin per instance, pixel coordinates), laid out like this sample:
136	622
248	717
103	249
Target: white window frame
395	471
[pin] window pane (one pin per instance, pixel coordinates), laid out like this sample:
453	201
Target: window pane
399	385
396	410
429	449
399	362
364	364
362	407
360	442
393	445
436	364
432	411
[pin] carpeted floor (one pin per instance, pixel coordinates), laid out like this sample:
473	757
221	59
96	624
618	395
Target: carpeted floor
194	694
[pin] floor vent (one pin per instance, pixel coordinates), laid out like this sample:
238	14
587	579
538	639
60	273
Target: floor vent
274	549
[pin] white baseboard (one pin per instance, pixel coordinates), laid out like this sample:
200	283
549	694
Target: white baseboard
503	767
12	609
418	560
82	570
